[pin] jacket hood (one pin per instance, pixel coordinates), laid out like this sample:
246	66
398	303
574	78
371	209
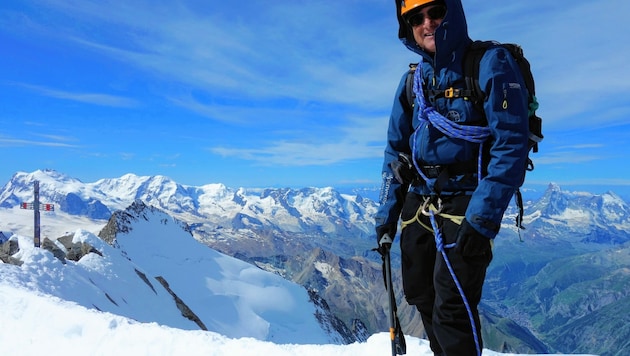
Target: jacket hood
450	36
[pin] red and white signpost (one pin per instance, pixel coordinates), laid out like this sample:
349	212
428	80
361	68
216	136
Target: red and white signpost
36	207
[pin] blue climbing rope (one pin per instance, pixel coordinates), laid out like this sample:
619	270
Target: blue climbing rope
439	243
474	134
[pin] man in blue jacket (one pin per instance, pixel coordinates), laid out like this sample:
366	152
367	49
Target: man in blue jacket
450	170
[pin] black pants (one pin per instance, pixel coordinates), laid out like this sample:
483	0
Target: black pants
429	285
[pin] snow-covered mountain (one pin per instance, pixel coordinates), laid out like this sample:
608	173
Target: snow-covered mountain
321	239
155	271
217	212
308	210
593	218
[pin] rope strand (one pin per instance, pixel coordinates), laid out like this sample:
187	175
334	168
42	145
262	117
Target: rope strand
474	134
439	243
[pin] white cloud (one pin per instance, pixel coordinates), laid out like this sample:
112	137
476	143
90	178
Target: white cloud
359	139
88	98
16	142
567	157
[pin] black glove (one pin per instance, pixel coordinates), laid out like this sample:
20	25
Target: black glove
403	169
470	242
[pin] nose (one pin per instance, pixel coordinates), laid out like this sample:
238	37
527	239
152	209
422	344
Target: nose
430	21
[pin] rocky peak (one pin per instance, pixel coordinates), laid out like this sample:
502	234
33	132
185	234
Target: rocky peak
122	221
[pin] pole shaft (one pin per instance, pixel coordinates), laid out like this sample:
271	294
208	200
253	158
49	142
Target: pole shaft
392	305
36	229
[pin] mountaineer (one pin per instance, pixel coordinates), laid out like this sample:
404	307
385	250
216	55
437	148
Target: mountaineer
450	170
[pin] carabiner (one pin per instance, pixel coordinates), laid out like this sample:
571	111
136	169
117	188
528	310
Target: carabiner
427	205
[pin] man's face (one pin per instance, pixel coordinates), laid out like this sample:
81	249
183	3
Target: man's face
424	23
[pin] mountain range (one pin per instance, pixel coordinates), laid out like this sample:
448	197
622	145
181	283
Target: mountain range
565	271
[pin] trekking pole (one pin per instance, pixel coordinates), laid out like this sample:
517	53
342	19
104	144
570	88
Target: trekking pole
396	335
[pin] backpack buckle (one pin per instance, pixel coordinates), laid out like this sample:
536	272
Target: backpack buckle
452	93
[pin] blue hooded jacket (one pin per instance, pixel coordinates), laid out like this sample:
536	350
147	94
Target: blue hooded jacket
506	112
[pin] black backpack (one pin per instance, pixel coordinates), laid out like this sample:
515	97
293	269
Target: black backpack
471	74
474	93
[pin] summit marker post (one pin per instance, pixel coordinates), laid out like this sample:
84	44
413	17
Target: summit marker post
36	207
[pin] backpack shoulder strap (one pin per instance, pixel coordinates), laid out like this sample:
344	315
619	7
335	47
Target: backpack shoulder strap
472	57
535	122
411	96
517	53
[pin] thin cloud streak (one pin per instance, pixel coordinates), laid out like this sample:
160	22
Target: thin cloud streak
566	157
12	142
287	153
361	138
57	137
88	98
583	146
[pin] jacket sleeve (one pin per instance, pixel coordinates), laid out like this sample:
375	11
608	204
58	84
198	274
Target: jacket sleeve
507	114
393	193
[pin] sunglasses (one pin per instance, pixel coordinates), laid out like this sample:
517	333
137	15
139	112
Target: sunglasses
436	12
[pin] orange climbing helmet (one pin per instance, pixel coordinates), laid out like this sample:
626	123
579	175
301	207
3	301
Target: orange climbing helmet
408	5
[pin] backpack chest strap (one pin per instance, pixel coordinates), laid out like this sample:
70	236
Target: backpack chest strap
450	93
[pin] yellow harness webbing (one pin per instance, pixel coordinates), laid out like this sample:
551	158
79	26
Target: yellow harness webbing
424	210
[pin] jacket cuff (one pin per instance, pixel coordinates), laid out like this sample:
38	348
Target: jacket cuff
485	227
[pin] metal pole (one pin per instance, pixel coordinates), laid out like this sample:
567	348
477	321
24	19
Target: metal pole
392	303
36	235
396	335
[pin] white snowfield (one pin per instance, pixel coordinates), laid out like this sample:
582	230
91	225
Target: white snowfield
35	321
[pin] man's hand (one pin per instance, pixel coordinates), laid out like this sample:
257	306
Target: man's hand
470	242
384	238
403	169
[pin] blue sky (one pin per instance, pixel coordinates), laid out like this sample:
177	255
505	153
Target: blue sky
281	93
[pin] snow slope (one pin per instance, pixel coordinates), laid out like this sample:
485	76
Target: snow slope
50	308
229	296
35	323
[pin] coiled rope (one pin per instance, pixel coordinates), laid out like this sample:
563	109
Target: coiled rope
427	113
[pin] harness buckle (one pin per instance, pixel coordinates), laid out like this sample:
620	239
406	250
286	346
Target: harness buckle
448	93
